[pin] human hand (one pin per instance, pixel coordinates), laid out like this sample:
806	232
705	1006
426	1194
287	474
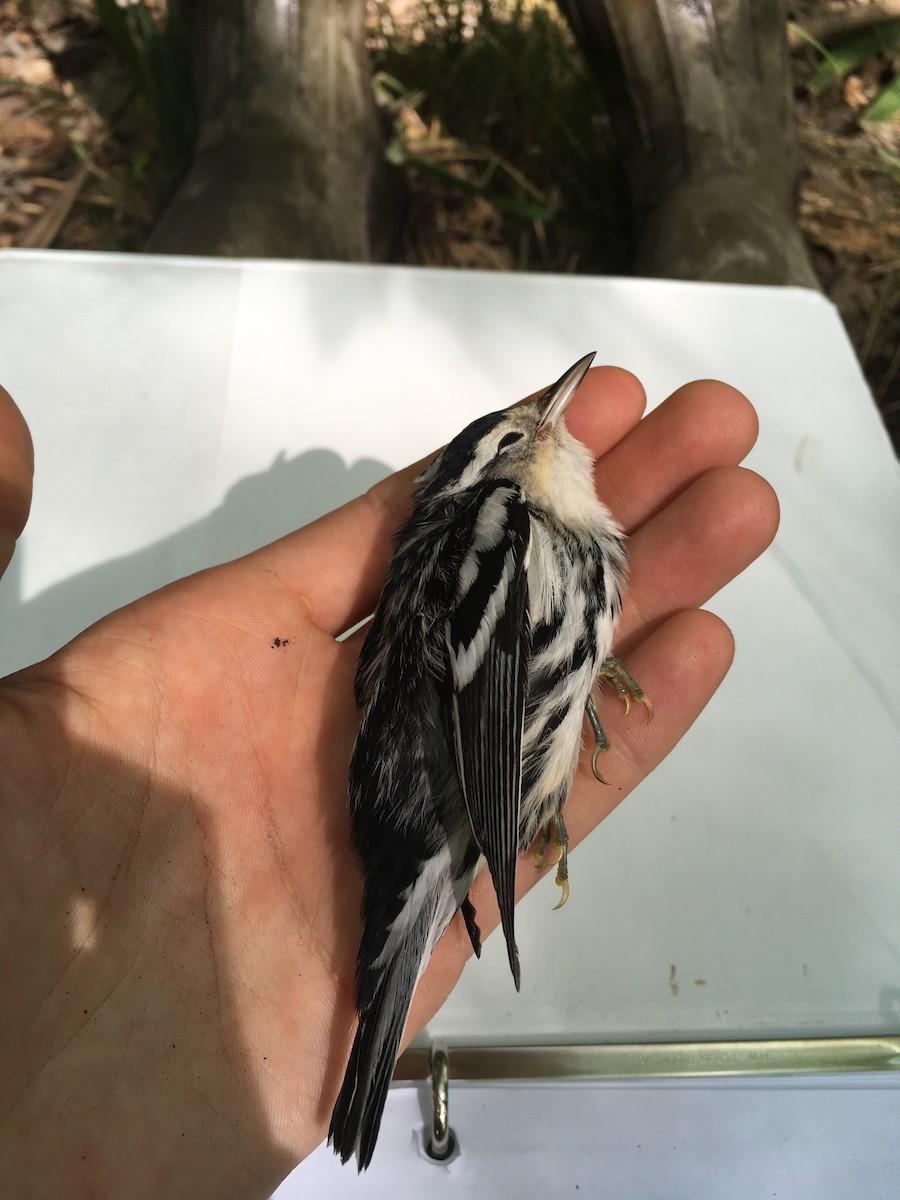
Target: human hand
181	902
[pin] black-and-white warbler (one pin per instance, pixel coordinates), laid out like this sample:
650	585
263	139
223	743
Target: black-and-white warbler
496	620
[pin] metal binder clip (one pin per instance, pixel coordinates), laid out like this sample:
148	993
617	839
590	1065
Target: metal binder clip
441	1144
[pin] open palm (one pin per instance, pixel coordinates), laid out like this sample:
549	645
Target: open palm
180	901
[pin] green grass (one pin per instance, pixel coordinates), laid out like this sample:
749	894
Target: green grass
154	54
507	83
838	62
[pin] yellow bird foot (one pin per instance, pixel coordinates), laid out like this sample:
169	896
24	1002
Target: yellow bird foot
541	848
628	692
626	687
563	883
562	867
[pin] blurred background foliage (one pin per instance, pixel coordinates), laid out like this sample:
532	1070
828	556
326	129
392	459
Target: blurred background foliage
496	123
497	116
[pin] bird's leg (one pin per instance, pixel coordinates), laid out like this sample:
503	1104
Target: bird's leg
562	869
628	691
555	827
601	741
626	688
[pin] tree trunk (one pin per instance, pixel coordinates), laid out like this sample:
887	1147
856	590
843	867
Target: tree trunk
700	99
289	160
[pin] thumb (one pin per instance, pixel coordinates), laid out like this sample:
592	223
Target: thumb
16	474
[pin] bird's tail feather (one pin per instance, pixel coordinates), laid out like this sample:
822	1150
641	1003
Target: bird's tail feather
360	1104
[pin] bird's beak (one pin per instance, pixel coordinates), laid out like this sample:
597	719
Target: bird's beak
555	400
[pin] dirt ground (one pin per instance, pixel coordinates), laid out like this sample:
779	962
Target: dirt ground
78	169
850	203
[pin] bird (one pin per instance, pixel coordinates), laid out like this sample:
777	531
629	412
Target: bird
477	670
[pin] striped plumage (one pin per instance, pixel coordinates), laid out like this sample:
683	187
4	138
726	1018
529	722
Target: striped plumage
571	637
499	608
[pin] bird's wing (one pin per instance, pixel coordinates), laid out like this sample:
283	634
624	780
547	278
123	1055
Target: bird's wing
488	639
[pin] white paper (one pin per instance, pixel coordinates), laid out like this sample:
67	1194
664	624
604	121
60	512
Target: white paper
185	411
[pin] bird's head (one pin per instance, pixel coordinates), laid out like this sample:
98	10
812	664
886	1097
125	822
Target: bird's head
527	444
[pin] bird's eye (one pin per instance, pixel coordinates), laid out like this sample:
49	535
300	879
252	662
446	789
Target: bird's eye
507	440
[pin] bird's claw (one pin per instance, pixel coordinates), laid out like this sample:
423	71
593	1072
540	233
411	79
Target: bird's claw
626	687
541	848
550	862
562	879
594	768
556	828
628	692
601	741
561	861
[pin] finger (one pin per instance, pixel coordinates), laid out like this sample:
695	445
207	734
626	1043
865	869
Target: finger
16	475
339	562
681	664
702	425
694	546
607	406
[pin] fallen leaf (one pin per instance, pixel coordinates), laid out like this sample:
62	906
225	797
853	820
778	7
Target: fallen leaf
855	92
